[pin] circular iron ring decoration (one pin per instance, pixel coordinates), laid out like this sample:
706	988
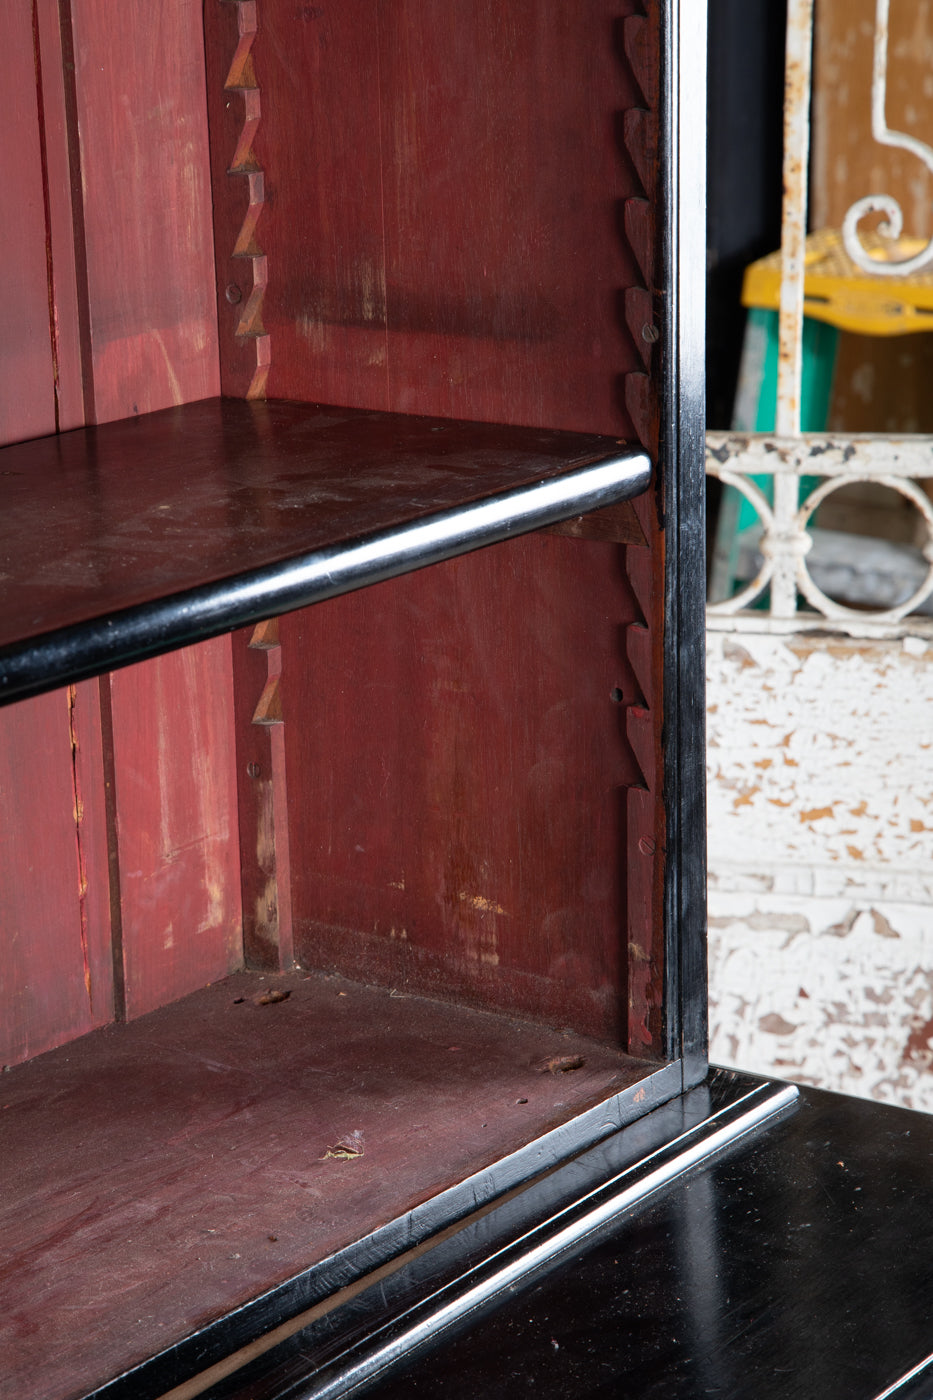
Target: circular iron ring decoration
756	498
828	606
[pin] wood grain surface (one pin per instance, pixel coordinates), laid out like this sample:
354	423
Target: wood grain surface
457	218
110	313
467	831
252	1141
150	508
150	338
55	973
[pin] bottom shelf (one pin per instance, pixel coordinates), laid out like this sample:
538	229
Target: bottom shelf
159	1174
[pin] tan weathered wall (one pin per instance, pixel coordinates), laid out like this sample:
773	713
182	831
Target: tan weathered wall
845	162
881	385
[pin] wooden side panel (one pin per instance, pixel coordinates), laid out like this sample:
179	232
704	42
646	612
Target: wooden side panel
456	218
151	333
111	313
55	969
503	261
327	296
55	972
139	83
50	36
27	387
173	766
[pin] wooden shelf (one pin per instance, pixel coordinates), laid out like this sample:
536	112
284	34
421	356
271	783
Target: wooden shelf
131	539
252	1142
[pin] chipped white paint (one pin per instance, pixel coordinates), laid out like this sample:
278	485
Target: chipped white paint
821	748
839	459
821	752
825	992
821	860
823	454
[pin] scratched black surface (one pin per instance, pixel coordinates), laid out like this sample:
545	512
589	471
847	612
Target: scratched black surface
102	518
800	1266
125	540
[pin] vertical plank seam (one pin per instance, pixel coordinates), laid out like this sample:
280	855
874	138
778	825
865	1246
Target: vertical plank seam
113	850
82	289
46	211
79	847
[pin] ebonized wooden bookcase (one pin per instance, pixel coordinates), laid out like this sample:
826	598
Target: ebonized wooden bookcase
324	926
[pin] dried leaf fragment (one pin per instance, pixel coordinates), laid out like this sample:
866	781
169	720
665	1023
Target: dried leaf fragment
271	997
563	1064
347	1148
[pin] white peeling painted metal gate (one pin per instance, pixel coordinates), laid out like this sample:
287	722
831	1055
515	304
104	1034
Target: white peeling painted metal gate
821	723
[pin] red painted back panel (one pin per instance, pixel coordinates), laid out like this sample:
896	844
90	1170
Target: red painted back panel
464	765
453	220
442	205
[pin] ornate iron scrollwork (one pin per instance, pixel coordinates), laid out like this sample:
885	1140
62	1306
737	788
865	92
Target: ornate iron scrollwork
884	203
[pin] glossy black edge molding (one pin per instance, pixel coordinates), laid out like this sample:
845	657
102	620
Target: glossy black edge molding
915	1384
236	1329
397	1338
683	163
75	653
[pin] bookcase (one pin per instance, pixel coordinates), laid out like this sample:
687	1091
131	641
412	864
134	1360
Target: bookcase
350	653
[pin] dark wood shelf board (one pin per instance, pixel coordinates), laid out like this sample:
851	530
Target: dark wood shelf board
159	1174
134	538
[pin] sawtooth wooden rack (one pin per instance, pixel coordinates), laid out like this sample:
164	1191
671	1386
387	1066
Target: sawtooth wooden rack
351	871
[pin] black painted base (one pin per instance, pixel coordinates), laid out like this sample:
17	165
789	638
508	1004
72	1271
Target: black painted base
745	1241
416	1329
800	1264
